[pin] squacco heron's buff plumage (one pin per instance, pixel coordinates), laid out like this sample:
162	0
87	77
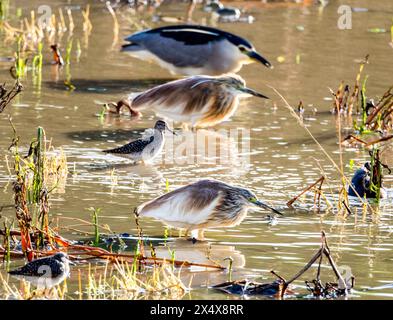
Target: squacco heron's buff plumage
202	205
200	101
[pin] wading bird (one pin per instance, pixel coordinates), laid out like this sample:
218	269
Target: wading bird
227	14
193	50
202	205
200	101
146	148
361	182
46	272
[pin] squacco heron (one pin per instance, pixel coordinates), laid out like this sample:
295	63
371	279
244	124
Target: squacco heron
202	205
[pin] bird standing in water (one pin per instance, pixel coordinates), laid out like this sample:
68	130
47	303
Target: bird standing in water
193	50
202	205
227	14
46	272
200	101
146	148
361	183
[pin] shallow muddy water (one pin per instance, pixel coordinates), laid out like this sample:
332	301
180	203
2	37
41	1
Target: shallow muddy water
282	158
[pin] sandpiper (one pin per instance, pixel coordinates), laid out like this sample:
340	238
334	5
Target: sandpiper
199	101
202	205
146	148
45	273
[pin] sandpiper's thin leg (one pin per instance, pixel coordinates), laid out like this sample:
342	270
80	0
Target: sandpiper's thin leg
201	234
47	292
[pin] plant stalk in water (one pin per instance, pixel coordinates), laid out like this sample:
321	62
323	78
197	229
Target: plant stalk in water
95	213
376	174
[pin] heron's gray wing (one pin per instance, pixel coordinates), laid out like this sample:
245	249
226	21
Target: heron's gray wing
132	147
171	94
201	195
189	198
173	47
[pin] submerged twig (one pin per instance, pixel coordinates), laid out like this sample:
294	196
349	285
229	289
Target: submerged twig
319	181
280	286
6	96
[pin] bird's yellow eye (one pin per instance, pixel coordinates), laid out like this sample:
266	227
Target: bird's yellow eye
252	199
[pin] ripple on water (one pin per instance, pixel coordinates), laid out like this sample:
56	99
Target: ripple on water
283	158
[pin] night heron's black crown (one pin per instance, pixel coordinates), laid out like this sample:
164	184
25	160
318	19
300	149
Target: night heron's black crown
198	35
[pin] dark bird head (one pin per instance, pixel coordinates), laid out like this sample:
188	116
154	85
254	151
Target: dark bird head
62	257
248	50
251	198
362	184
360	181
161	126
367	166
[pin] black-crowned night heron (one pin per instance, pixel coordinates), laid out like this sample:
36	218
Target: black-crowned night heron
45	273
193	50
201	101
146	148
202	205
361	182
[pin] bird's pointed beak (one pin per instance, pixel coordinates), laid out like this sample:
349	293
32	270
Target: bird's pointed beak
257	57
171	131
253	93
265	206
127	47
71	262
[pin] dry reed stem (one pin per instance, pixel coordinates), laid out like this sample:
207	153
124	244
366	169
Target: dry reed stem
116	27
295	115
324	250
320	181
100	253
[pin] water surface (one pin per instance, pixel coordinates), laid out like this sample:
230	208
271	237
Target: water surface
283	158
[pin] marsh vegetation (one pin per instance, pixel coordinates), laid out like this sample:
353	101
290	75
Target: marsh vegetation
60	192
